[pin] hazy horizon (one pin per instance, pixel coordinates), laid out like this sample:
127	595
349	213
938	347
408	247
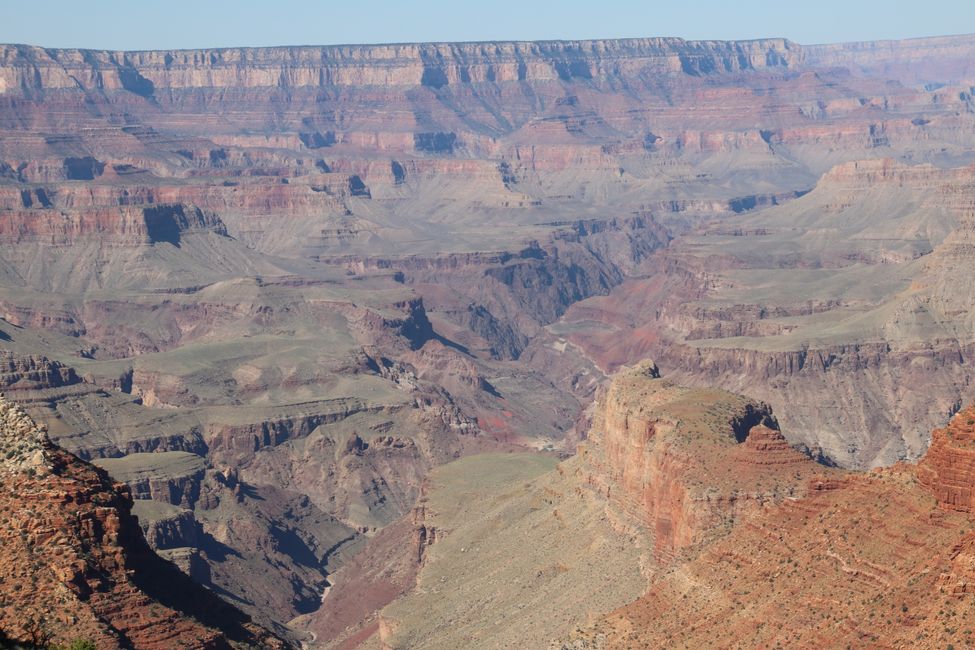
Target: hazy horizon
181	24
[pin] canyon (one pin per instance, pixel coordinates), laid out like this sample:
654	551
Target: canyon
315	307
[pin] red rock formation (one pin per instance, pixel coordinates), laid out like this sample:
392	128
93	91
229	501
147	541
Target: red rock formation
766	446
948	468
76	565
862	559
687	463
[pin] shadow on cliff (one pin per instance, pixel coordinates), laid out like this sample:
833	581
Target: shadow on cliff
463	349
164	582
216	551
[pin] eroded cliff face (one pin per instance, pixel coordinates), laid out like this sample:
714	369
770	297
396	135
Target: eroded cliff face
687	463
882	558
20	372
948	467
430	64
76	565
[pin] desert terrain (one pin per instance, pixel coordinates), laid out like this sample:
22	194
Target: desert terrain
355	338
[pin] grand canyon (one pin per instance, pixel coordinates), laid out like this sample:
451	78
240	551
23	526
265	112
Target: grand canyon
557	344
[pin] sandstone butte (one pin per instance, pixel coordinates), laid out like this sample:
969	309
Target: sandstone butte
76	566
825	558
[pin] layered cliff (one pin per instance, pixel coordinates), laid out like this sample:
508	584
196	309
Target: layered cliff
942	59
432	64
948	468
77	567
687	463
172	477
18	372
881	558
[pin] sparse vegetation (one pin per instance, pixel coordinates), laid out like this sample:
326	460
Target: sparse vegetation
76	644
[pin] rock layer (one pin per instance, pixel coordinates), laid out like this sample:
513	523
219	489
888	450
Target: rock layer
687	463
948	468
77	567
827	308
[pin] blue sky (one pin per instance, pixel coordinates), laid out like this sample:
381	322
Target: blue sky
154	24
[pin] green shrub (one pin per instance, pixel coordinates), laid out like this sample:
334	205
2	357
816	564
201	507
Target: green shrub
77	644
82	644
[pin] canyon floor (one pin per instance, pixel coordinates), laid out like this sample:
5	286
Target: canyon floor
343	321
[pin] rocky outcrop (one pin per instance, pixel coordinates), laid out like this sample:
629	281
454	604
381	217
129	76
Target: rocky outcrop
687	463
77	566
175	535
172	477
26	372
858	558
175	529
767	446
948	467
